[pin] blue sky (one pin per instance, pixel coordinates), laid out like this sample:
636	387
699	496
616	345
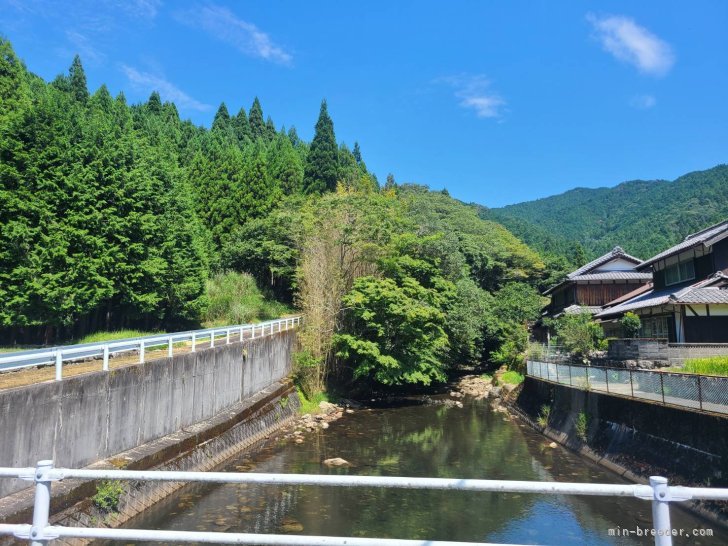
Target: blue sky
499	102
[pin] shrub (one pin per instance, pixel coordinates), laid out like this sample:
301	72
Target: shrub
234	298
108	494
714	365
581	425
579	334
543	416
631	324
511	377
310	403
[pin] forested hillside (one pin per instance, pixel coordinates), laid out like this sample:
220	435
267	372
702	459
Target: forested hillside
116	215
643	217
113	215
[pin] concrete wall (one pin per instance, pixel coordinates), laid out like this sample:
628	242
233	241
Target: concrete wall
86	418
687	446
672	354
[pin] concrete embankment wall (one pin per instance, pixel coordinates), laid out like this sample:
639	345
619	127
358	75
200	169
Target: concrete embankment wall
646	439
86	418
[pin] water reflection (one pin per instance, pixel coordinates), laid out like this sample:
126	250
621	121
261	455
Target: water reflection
435	441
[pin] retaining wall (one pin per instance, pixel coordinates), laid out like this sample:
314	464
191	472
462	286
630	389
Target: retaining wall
672	354
90	417
648	439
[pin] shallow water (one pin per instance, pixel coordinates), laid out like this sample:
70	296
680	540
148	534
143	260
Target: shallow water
416	440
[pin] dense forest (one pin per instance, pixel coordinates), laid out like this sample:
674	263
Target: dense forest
643	217
116	216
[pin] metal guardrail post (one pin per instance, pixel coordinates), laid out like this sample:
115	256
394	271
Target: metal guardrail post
42	504
631	383
194	342
141	352
570	383
170	348
700	392
227	337
662	387
212	339
606	378
557	372
105	365
661	511
59	365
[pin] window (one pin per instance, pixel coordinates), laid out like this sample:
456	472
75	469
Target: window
654	327
681	272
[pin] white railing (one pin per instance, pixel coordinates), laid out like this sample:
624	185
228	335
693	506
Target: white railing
68	353
40	532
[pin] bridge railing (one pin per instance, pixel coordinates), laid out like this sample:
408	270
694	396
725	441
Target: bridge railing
105	350
707	393
44	474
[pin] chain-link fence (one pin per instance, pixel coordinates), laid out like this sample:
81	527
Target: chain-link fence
701	392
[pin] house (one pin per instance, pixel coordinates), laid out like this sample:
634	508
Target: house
597	283
688	299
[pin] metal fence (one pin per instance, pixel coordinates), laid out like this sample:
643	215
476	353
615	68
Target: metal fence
707	393
68	353
44	474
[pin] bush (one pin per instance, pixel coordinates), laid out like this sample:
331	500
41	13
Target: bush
581	425
511	377
310	403
543	416
234	298
579	334
714	365
631	324
108	494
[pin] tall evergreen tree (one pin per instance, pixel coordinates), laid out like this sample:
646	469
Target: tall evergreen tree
270	129
241	127
77	80
255	119
322	161
357	153
222	119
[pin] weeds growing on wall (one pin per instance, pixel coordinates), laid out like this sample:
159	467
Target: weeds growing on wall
107	497
580	425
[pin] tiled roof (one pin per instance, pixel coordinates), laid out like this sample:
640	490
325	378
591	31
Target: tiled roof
614	276
713	290
648	299
577	309
704	295
616	252
701	237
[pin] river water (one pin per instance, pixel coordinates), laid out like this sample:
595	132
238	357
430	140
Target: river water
419	440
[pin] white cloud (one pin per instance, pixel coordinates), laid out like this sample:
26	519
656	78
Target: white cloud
643	102
222	24
149	82
473	91
83	46
631	43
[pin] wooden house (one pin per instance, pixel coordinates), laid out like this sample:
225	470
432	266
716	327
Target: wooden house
688	300
597	283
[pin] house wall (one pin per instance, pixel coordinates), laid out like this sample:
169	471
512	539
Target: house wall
703	270
720	255
599	294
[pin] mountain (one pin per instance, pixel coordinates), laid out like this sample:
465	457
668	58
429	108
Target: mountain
642	216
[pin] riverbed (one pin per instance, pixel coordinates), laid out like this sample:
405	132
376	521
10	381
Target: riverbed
420	440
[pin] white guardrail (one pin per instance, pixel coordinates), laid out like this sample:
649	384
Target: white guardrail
40	532
67	353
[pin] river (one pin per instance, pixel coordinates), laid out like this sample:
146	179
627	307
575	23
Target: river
419	440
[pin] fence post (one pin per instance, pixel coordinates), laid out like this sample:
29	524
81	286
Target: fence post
170	348
241	334
700	392
662	387
212	339
59	365
661	511
606	377
570	383
141	352
105	365
194	342
227	337
557	372
42	504
631	383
